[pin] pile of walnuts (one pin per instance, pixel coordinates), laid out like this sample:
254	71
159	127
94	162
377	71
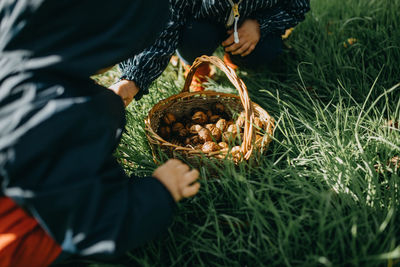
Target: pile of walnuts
206	130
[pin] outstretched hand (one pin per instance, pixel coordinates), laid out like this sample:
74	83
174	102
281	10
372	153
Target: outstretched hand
249	35
178	179
126	90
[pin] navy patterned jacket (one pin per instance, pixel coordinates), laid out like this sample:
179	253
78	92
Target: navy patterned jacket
145	67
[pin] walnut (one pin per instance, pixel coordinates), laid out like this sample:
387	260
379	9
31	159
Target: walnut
258	123
214	118
165	132
169	118
205	135
183	132
232	128
236	153
177	126
230	134
198	147
223	145
199	117
208	126
195	129
240	121
195	140
215	132
188	142
221	124
209	147
188	125
259	139
219	108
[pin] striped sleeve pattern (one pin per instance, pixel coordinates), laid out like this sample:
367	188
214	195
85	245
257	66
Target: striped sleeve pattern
274	16
286	15
145	67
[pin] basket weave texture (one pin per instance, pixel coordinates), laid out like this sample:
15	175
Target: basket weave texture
184	102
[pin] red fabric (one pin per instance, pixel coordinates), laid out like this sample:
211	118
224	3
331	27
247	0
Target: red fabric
22	241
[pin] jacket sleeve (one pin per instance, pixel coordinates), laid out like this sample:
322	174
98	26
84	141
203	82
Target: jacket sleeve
288	14
73	186
145	67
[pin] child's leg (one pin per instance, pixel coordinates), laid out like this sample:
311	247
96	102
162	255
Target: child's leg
266	51
199	37
22	241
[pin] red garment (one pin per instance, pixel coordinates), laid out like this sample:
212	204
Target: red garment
22	241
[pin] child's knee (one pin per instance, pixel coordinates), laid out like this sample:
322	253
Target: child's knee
266	51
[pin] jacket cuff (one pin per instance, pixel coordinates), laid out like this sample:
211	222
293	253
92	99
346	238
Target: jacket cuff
133	74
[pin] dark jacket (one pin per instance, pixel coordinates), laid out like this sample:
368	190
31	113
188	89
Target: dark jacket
58	129
145	67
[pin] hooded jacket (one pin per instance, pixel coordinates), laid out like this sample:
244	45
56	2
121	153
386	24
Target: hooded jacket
58	129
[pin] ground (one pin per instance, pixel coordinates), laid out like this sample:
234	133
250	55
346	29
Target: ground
327	191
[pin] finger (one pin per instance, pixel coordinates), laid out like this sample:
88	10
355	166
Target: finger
233	47
173	162
183	168
191	176
126	102
230	40
241	49
190	191
230	31
251	48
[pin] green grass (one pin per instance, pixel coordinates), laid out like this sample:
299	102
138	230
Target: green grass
315	198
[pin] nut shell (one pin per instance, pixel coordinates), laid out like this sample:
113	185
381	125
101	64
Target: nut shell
183	132
195	140
232	128
205	135
209	147
221	124
199	117
165	132
214	118
223	145
240	121
177	126
195	129
215	132
258	123
169	118
259	139
219	108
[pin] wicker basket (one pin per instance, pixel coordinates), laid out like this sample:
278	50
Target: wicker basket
182	104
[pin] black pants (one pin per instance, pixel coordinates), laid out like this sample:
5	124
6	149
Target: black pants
202	37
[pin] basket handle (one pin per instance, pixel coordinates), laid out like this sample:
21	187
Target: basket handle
248	134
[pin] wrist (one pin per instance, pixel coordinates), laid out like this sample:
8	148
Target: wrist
130	86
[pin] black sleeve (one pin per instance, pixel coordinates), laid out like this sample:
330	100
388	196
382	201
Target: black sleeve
288	14
58	130
145	67
62	172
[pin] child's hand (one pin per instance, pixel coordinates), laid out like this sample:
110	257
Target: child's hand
126	90
178	179
249	35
